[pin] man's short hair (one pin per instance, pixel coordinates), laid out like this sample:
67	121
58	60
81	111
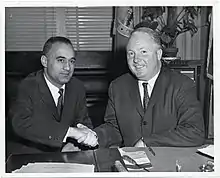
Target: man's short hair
152	33
56	39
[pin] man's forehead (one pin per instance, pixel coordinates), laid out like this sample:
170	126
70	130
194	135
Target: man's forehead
139	38
140	35
61	47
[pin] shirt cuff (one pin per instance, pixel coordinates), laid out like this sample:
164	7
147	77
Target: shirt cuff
67	133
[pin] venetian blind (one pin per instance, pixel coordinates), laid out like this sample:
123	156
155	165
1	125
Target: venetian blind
27	28
89	28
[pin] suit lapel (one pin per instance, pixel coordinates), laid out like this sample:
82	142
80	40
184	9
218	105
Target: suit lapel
156	96
157	93
135	96
69	96
46	95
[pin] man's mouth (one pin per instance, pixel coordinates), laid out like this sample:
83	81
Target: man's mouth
65	74
138	67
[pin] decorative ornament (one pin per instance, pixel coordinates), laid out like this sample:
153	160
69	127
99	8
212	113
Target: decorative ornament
126	27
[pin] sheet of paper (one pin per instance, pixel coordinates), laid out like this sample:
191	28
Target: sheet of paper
46	167
209	150
140	157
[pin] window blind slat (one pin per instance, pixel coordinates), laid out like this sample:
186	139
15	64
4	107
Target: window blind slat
92	26
27	28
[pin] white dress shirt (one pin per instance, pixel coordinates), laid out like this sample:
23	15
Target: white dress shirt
54	90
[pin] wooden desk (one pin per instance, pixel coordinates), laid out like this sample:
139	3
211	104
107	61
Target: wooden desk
104	159
165	159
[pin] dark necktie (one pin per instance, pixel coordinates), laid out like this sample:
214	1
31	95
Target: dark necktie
146	96
60	103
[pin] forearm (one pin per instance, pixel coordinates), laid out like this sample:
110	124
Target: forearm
82	113
86	121
47	133
108	135
187	135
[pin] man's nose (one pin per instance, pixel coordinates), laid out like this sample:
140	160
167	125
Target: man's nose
67	66
136	58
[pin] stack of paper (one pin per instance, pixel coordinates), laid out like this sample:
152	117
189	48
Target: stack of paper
55	168
209	150
140	157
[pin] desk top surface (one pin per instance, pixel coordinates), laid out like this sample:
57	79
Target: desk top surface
103	159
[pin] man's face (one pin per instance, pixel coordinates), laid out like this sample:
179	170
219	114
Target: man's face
60	63
143	56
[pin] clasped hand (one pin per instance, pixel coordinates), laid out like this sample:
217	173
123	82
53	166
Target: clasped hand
85	135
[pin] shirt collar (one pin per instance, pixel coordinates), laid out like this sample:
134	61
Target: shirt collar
51	86
152	81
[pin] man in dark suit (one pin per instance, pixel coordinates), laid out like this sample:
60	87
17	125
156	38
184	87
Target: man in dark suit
51	104
152	105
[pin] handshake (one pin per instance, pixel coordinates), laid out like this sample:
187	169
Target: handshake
86	136
82	135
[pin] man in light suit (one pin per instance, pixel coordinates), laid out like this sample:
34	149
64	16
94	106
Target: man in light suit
51	104
162	112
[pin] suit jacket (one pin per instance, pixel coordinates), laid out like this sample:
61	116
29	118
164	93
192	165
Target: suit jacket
34	112
173	116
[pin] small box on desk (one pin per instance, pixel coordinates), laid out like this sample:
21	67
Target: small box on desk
135	160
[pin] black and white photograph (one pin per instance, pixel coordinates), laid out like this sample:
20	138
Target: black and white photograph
108	89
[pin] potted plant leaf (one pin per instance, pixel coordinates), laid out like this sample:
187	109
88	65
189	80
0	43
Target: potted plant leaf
171	27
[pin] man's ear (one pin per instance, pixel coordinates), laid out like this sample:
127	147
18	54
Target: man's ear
44	60
159	54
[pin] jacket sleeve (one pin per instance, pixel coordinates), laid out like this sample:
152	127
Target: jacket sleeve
82	111
35	127
108	133
189	130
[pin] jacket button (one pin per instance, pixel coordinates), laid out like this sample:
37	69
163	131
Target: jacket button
144	122
50	137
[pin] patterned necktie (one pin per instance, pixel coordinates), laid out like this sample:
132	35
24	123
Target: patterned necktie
146	96
60	104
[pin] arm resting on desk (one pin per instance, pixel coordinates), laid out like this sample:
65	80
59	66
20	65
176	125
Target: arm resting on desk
34	112
189	130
